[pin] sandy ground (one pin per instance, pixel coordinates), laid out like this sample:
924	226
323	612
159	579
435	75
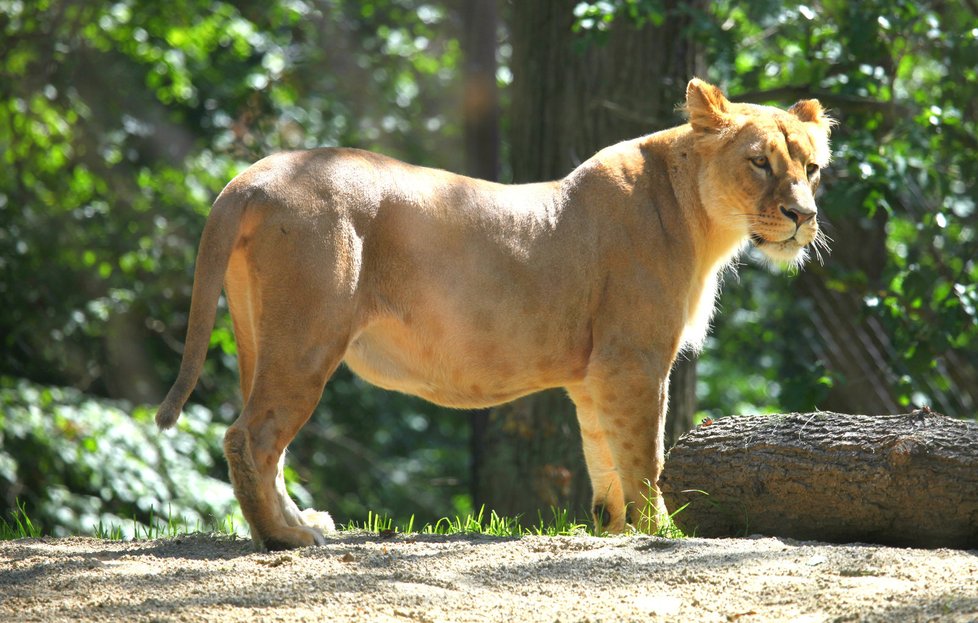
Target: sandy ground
360	577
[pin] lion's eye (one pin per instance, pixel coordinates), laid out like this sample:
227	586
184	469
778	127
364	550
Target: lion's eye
812	169
761	162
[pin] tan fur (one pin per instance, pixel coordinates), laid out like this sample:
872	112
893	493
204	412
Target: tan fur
470	293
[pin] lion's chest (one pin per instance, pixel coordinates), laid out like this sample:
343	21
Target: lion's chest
701	305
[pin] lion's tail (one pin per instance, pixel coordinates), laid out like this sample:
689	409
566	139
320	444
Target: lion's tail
216	244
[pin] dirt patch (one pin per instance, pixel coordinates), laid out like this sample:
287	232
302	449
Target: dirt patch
358	577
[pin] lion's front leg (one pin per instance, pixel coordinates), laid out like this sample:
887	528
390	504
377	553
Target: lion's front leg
607	500
629	408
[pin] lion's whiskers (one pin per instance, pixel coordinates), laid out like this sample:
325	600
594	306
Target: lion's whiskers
738	219
821	243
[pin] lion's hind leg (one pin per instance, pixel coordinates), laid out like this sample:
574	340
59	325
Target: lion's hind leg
292	310
291	371
320	520
269	528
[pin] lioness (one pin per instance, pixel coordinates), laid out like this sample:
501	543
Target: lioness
470	293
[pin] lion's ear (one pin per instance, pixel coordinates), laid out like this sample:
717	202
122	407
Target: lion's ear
811	111
706	106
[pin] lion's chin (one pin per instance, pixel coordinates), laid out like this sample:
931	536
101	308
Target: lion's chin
788	253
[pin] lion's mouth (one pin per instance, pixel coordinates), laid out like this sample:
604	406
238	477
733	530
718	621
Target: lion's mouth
760	240
791	251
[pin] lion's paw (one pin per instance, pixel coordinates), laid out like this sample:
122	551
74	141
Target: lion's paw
318	519
291	538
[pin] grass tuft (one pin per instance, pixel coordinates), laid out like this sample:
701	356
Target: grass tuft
493	524
561	524
19	526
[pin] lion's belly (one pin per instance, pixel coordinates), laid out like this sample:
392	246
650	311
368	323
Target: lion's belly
462	369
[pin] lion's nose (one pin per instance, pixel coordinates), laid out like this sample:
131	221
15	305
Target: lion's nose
798	214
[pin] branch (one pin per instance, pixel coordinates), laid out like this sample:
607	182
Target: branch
627	113
846	103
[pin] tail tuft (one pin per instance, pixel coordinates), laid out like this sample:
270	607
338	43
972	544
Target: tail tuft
169	411
167	415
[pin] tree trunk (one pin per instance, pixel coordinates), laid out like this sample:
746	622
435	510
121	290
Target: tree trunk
682	398
480	119
480	101
909	480
570	98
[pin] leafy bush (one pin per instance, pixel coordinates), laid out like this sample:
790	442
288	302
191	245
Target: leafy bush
77	463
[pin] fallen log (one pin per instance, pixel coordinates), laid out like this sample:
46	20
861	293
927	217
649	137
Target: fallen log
906	480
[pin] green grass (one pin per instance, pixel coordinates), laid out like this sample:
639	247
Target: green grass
164	528
478	523
20	526
560	523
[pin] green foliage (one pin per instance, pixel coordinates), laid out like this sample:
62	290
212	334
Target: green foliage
595	18
77	464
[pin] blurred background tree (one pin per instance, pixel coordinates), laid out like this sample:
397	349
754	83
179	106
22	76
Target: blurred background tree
120	122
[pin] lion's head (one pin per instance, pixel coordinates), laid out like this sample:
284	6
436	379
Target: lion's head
762	167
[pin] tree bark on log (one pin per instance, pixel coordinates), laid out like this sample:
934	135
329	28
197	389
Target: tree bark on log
906	480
